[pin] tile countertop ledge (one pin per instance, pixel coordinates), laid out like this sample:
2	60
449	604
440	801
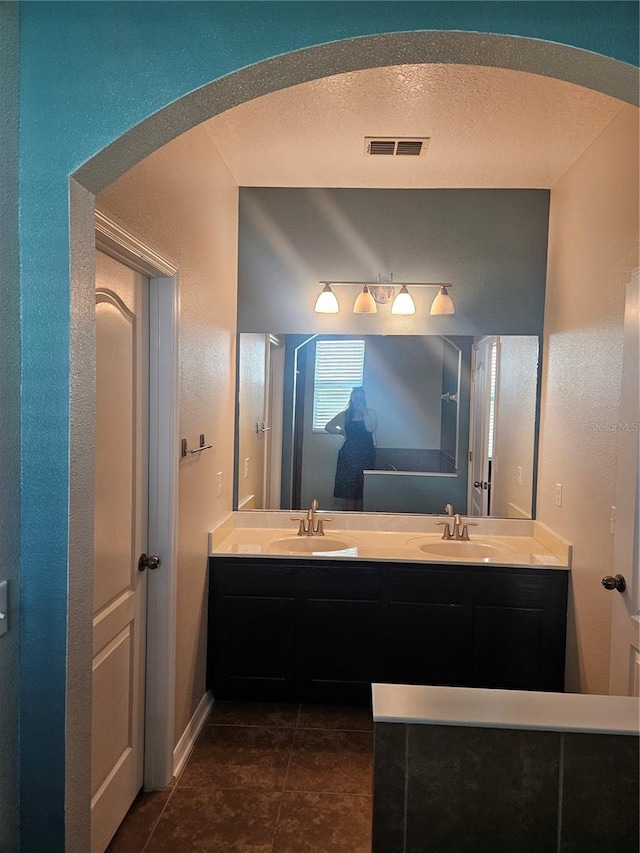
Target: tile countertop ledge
505	709
378	536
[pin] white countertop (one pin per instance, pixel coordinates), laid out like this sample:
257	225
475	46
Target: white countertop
352	536
508	709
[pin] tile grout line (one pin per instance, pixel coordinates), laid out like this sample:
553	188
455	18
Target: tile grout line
560	792
157	821
174	787
406	789
284	783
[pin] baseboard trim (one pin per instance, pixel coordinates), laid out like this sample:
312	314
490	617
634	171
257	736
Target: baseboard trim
186	743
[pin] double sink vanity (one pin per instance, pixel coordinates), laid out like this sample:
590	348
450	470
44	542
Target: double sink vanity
382	598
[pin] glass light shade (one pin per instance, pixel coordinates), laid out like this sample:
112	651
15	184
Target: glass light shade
327	303
403	303
365	303
442	304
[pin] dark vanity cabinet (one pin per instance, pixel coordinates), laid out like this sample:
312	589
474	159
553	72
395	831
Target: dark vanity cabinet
324	630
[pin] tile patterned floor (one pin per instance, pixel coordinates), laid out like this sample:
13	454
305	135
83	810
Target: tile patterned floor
264	778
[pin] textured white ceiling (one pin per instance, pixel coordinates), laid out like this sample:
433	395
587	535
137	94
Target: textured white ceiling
489	127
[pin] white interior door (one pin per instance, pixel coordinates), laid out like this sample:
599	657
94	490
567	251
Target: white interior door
121	509
276	398
478	491
265	427
625	604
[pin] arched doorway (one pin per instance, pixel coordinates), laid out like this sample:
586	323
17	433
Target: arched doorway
559	61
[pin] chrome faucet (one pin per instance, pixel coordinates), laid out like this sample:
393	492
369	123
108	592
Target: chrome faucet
449	509
309	526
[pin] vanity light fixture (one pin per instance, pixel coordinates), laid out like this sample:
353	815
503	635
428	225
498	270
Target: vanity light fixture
403	303
327	303
365	303
383	292
443	303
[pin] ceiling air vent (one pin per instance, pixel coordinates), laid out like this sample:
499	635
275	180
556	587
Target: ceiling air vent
388	146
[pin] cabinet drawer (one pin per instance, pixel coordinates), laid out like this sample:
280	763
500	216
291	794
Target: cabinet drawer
513	589
272	576
267	576
414	583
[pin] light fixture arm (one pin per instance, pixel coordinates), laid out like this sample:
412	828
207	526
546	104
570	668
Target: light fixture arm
371	284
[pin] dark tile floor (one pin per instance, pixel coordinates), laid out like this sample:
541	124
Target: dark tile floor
264	778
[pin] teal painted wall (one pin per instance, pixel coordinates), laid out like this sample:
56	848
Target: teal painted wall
88	73
9	421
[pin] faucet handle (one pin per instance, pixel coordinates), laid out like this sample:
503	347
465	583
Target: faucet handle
446	533
319	529
465	532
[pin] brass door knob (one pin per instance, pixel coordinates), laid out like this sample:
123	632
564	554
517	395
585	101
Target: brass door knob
614	582
148	562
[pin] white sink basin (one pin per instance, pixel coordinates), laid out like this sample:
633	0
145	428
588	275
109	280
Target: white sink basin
308	545
455	549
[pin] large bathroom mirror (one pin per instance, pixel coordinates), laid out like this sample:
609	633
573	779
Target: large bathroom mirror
456	421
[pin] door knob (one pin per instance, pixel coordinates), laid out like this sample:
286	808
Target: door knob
148	562
614	582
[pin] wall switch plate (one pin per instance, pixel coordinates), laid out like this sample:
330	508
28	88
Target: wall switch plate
558	494
246	468
519	475
4	608
219	483
612	521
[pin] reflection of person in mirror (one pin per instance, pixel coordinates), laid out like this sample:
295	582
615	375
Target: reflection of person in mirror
357	424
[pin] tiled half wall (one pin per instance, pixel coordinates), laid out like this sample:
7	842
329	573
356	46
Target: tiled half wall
462	789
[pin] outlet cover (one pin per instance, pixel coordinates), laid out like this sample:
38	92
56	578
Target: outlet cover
558	494
219	483
519	475
246	468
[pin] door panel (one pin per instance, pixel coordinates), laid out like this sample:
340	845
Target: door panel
121	499
625	607
478	496
115	451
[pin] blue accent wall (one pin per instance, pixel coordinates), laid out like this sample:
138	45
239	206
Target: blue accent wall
88	73
9	422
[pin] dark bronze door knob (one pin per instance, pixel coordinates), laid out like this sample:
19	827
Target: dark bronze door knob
148	562
614	582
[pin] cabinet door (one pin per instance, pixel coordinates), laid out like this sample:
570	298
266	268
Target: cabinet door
339	649
253	647
507	648
429	643
428	626
519	630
